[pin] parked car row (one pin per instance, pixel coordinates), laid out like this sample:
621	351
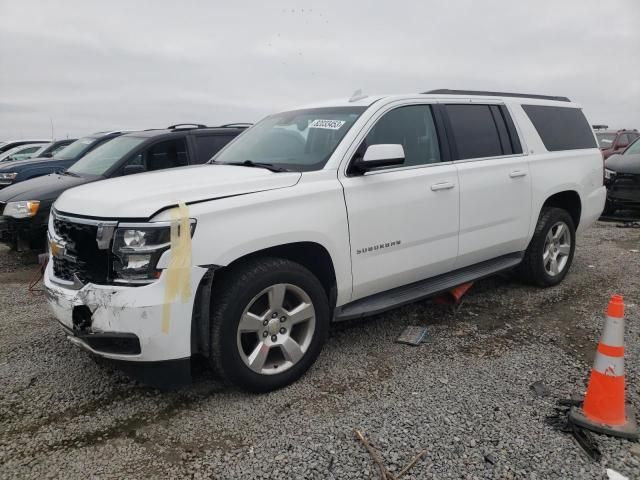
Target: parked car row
34	150
32	186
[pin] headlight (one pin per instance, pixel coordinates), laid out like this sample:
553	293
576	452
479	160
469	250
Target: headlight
609	174
8	177
26	209
137	249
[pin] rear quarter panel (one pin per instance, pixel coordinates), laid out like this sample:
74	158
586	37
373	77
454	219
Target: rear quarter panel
554	172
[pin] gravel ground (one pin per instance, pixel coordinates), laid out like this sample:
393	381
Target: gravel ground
464	394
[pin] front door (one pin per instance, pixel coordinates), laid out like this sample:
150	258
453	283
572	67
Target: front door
403	221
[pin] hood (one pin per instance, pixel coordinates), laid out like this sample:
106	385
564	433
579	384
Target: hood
624	163
47	187
143	194
6	167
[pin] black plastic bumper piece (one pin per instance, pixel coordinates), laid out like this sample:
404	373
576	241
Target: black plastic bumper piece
166	375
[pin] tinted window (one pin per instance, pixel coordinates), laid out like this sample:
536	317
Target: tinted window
561	128
475	131
168	154
413	128
208	145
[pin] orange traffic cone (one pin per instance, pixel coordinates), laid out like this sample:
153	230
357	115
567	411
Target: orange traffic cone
604	409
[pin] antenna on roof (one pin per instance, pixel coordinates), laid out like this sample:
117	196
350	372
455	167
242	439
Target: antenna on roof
357	95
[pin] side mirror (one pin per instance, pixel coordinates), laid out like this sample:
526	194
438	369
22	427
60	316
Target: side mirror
47	155
382	155
622	146
133	169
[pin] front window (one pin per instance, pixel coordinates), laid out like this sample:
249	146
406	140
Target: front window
76	148
605	140
104	157
634	149
301	140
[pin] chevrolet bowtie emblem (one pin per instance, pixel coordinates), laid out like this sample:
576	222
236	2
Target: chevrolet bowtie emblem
55	249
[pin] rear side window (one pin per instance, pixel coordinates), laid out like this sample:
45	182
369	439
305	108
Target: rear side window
482	131
207	146
561	128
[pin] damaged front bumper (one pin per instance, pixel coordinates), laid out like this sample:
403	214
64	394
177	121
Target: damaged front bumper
132	324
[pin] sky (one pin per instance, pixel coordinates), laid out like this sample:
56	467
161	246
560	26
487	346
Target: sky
86	66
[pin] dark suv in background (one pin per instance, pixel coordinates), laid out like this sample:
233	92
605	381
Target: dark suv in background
25	207
614	141
622	179
20	170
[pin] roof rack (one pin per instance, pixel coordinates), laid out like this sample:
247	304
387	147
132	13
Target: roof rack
599	127
446	91
237	124
179	125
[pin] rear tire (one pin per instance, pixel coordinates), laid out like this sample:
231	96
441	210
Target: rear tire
550	253
270	319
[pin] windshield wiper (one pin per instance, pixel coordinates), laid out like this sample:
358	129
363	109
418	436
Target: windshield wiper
67	172
251	163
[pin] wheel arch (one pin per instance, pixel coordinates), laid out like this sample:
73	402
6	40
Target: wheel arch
568	200
313	256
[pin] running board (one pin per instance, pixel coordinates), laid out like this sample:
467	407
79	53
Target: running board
413	292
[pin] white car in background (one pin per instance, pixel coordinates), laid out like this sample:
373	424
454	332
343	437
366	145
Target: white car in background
333	211
22	152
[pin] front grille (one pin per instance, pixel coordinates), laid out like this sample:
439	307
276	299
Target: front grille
81	256
625	187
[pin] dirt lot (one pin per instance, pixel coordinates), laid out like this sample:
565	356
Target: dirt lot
464	394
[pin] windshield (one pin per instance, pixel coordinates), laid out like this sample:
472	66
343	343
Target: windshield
633	149
12	151
74	149
301	140
100	160
605	140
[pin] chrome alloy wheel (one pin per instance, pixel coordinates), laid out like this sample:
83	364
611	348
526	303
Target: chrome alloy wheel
276	329
557	247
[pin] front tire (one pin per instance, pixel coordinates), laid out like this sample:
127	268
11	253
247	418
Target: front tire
270	320
550	252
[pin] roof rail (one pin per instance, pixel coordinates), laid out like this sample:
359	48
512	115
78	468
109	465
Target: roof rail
599	127
192	125
237	124
446	91
110	132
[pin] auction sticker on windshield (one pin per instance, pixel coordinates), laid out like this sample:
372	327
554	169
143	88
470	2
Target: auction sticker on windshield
328	124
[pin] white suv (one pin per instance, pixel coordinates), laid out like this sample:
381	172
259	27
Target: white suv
329	212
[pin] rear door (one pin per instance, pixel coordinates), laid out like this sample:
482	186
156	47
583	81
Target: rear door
403	221
495	185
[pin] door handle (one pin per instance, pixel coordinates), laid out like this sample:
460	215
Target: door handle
518	173
442	186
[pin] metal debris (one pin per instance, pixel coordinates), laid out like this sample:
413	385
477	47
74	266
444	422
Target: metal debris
560	420
412	335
